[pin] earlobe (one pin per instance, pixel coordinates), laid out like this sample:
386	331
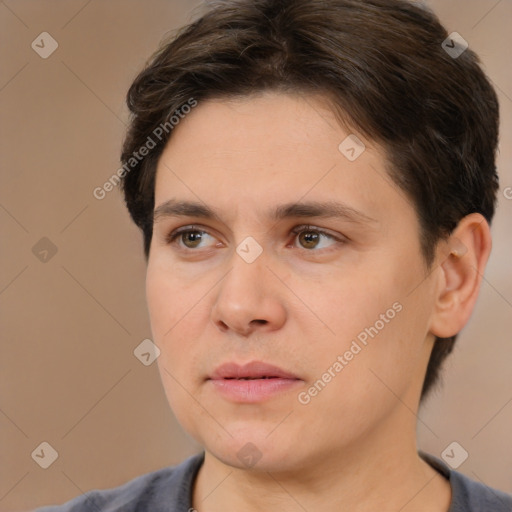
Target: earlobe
462	260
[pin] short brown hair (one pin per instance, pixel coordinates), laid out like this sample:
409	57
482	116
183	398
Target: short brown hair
382	65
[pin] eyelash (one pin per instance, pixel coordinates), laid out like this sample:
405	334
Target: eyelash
171	237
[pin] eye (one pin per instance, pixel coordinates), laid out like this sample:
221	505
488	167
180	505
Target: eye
190	237
310	237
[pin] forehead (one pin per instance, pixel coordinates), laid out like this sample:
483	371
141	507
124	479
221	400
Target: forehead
278	123
271	149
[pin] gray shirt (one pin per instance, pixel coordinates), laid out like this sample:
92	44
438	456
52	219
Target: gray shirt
170	490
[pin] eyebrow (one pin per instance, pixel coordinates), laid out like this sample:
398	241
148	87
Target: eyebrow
329	209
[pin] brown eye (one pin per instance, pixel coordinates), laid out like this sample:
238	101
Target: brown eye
191	239
309	239
315	240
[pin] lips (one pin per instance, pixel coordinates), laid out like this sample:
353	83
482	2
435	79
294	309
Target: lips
253	382
250	371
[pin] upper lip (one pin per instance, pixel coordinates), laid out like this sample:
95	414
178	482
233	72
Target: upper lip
253	369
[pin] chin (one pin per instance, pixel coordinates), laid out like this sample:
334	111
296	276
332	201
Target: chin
254	450
250	457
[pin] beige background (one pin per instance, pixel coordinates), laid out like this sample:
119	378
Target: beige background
70	325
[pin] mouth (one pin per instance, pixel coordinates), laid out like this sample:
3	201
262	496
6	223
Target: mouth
252	382
252	378
251	371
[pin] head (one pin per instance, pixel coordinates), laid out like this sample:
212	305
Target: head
250	108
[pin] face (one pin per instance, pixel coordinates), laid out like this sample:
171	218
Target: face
285	284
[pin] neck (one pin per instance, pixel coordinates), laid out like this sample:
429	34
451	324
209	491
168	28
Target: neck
381	471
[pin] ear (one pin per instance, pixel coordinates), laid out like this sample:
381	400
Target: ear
461	269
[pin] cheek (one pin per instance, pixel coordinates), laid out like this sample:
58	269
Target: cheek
372	315
343	303
162	301
168	300
173	311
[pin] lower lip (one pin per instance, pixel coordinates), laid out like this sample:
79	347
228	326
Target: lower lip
253	390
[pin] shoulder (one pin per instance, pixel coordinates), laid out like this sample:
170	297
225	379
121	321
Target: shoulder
169	487
469	495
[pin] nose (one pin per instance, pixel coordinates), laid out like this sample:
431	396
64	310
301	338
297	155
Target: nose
249	298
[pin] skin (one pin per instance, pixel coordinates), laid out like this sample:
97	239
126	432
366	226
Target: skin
298	306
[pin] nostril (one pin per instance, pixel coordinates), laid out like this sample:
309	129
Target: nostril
223	326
